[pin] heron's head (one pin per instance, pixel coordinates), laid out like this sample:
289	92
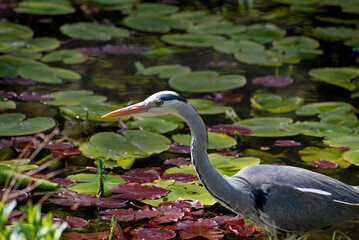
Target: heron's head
161	103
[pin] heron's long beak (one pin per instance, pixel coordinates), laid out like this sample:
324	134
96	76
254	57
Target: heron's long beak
133	109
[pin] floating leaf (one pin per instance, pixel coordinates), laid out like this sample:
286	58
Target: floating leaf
74	98
8	104
28	45
87	183
321	163
155	233
44	8
223	27
196	17
67	56
141	175
206	81
230	129
263	33
154	124
166	71
313	154
352	156
19	165
349	141
215	140
90	31
274	103
124	148
135	191
207	228
149	23
192	40
354	43
242	45
14	124
341	77
271	127
298	45
149	9
286	143
17	31
324	108
321	129
336	33
273	81
267	58
76	222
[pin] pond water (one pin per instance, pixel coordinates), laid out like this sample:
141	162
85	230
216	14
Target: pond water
110	71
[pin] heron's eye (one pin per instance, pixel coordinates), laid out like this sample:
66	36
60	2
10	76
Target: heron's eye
159	102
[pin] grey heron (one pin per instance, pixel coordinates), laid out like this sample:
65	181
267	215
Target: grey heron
291	199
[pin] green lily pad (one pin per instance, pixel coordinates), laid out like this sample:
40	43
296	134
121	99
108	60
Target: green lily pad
309	154
206	81
166	71
14	124
271	127
132	144
66	56
335	33
233	46
44	8
347	120
324	108
341	77
354	43
87	183
74	98
207	107
154	124
192	40
274	103
28	45
223	27
196	17
266	58
179	190
263	33
302	46
343	141
90	31
91	110
352	156
264	156
14	30
215	140
321	129
19	165
9	104
149	9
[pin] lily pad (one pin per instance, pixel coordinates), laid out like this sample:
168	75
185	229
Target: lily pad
44	8
348	141
352	156
301	45
207	107
149	23
90	31
8	104
132	144
266	58
66	56
341	77
153	124
313	154
273	81
166	71
206	81
263	33
271	127
192	40
87	183
74	98
90	110
274	103
223	27
149	9
354	43
16	31
324	108
196	17
335	33
321	129
215	140
28	45
19	165
242	45
14	124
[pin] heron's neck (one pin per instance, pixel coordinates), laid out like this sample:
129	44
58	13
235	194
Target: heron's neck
215	183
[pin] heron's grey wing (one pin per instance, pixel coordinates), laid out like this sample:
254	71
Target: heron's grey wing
300	209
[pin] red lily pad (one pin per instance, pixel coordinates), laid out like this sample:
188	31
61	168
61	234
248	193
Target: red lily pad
16	81
179	148
87	236
286	143
122	215
184	204
107	202
35	96
218	64
245	232
142	175
229	152
7	5
228	97
63	182
20	143
181	177
58	145
230	129
72	198
343	148
234	224
67	152
15	194
5	143
273	81
202	227
154	234
178	161
322	163
76	221
135	191
8	95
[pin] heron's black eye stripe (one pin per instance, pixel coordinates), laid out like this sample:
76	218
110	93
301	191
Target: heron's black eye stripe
159	102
